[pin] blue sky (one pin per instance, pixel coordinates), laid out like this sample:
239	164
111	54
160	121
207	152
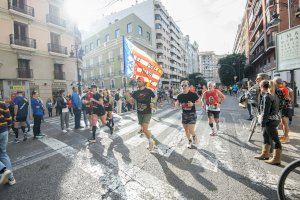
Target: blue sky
211	23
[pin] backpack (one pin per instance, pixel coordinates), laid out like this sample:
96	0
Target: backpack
283	102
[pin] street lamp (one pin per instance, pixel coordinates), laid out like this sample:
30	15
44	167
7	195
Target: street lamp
78	55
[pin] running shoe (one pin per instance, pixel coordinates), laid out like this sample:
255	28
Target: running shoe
284	139
190	144
16	141
213	133
195	140
38	137
11	181
4	176
42	134
151	145
64	131
92	140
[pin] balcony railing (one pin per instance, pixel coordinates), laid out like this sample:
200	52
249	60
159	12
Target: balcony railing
57	49
22	41
58	75
24	73
56	20
271	43
256	54
22	8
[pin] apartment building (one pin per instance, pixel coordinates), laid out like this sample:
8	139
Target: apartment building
192	55
103	60
209	65
167	38
241	43
263	26
35	47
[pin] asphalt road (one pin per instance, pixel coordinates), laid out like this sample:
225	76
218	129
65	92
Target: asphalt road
65	166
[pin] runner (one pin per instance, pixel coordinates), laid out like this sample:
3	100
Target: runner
97	111
20	115
188	99
143	98
108	105
212	99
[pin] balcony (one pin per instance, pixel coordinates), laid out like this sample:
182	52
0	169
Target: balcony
57	50
256	25
271	44
25	73
22	43
59	75
298	12
56	22
257	42
256	55
22	10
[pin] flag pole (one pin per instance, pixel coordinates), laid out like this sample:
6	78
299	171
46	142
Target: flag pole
124	63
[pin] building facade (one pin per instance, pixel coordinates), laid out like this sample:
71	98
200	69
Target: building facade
192	55
103	62
167	38
241	43
266	18
35	46
209	66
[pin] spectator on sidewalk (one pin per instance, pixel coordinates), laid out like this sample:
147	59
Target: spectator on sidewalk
38	113
118	99
77	106
70	105
6	175
49	105
63	111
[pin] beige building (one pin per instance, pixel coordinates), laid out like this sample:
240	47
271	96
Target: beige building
36	41
241	44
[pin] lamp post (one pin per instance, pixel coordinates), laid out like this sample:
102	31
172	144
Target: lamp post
78	55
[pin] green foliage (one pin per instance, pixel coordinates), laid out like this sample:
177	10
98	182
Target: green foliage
195	79
232	65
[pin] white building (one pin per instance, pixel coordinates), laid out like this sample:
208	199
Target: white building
192	55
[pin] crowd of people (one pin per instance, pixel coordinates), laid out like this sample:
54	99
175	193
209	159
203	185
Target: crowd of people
268	100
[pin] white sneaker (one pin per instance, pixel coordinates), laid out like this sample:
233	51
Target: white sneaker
12	181
151	145
213	133
190	144
69	129
64	131
4	176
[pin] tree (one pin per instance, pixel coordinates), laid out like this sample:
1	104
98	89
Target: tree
232	66
195	79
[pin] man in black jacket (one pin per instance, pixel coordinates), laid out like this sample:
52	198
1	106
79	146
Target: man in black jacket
63	111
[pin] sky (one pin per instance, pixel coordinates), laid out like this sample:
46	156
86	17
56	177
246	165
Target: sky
211	23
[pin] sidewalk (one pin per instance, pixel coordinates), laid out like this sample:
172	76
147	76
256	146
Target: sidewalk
295	128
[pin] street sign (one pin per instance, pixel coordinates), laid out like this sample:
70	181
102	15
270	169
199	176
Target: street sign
288	49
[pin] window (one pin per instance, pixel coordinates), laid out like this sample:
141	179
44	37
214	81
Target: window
140	30
58	68
157	17
24	64
107	38
55	38
98	42
53	10
91	46
129	28
148	36
157	26
20	30
117	33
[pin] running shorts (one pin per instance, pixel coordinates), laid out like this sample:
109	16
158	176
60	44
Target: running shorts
99	110
215	114
189	118
144	118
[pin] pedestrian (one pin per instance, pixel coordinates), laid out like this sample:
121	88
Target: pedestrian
118	99
235	89
291	102
97	111
284	99
77	106
108	106
20	115
37	112
49	106
143	97
270	119
85	106
70	105
63	111
188	101
6	174
212	99
249	85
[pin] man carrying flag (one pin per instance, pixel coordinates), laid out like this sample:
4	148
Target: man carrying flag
138	65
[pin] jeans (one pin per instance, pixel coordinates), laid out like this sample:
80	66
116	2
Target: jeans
64	119
85	117
37	125
4	158
50	112
249	110
270	132
77	114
